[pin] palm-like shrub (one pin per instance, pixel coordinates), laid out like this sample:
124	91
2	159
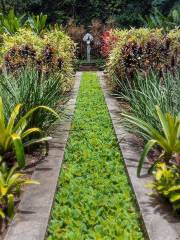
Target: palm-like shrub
10	23
157	20
169	141
11	183
13	131
37	23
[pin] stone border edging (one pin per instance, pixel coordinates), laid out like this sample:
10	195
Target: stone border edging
32	217
158	219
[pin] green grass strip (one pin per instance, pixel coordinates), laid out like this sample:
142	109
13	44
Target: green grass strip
94	199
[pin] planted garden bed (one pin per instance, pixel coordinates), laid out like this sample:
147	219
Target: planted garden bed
143	65
35	81
156	212
93	199
143	72
31	219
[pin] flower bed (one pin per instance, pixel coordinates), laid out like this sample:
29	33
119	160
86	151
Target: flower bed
145	66
52	51
36	74
140	49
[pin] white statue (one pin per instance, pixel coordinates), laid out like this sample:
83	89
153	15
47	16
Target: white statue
88	38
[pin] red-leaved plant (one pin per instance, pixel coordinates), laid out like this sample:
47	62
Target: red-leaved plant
108	40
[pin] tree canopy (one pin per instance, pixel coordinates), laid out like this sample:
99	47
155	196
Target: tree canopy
125	12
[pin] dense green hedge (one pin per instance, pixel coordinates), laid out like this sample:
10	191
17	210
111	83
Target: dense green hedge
51	51
94	199
140	49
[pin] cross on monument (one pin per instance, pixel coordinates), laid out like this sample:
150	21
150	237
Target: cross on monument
88	38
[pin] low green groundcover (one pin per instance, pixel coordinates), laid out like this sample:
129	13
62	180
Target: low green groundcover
93	199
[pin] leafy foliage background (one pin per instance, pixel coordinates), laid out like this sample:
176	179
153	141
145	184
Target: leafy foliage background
125	12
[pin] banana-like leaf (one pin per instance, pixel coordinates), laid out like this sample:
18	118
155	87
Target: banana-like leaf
12	172
33	141
174	189
174	129
170	127
30	112
175	197
163	121
30	131
4	190
31	181
19	149
147	148
22	127
15	178
12	118
10	206
2	121
2	180
152	132
2	215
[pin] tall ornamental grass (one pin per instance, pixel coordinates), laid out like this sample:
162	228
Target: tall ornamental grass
147	91
32	89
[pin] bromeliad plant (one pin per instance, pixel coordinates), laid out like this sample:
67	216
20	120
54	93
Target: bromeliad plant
13	132
37	23
10	23
11	182
169	141
158	20
167	183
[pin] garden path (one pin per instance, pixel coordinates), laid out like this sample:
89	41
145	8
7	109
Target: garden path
93	199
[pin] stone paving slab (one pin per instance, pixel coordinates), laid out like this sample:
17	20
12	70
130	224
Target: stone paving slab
157	216
31	219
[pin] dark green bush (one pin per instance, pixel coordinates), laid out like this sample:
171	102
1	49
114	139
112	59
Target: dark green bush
125	13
